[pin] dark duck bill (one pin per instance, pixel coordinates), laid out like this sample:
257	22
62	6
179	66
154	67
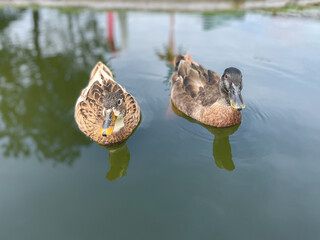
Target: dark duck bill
235	97
108	124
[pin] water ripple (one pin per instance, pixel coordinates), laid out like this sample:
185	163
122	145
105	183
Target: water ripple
196	131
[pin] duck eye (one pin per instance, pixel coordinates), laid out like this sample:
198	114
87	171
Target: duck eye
225	76
119	102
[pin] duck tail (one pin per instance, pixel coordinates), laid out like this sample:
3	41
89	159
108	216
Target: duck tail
177	60
175	75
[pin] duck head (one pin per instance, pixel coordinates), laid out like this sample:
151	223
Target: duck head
114	111
231	85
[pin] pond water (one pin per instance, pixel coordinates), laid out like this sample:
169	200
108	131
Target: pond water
174	178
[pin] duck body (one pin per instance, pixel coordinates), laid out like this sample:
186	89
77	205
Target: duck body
105	111
206	96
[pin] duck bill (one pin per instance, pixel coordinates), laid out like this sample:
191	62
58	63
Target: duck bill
236	100
108	124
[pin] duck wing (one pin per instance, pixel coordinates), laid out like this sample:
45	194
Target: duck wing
198	82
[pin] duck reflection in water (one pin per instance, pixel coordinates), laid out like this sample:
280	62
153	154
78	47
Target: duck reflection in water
221	148
119	157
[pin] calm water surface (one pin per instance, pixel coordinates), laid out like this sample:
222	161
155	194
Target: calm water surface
174	178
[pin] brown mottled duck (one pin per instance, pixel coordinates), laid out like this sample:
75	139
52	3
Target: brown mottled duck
105	111
205	96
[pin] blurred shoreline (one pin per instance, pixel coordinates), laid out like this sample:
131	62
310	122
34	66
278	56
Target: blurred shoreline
163	5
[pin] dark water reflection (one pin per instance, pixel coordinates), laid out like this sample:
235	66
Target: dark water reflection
37	101
166	182
119	158
221	148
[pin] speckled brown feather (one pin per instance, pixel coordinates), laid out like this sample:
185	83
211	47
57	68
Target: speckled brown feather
195	91
89	108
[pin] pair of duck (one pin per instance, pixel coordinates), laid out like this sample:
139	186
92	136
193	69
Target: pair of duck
108	114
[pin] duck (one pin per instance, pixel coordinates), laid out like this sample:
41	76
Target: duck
105	111
206	96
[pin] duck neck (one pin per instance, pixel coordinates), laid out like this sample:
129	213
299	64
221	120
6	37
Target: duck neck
119	124
224	95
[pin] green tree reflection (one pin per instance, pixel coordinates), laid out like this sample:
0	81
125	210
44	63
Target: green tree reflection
41	76
212	20
221	148
8	15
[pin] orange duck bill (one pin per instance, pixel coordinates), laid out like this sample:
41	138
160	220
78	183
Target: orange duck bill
108	124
